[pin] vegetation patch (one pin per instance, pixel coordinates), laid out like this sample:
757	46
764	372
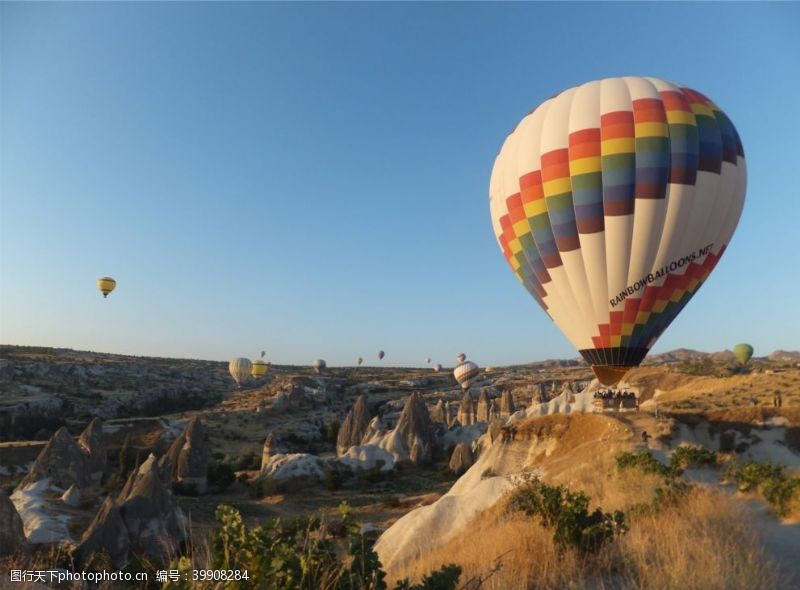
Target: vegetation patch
308	553
777	487
567	514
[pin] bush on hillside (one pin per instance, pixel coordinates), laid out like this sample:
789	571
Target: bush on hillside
777	487
296	555
686	456
567	514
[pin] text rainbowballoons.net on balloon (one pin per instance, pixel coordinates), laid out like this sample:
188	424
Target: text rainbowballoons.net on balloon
612	202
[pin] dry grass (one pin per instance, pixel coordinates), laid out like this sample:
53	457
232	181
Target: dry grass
704	543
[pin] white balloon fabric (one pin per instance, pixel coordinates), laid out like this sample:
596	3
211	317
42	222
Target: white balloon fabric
612	202
466	374
319	365
240	368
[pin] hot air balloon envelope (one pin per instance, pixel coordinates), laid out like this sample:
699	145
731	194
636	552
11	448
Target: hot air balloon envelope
612	202
743	352
106	285
466	374
240	369
259	369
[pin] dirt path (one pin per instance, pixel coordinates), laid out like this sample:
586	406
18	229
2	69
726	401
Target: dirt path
780	540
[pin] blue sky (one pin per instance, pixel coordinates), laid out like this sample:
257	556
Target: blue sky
312	179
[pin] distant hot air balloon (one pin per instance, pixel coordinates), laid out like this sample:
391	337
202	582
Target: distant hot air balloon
488	370
461	357
263	353
359	360
381	354
466	374
437	367
743	352
106	285
259	369
319	365
612	202
428	360
239	369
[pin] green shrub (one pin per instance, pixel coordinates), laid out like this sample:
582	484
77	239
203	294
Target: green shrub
247	462
771	480
220	475
645	461
445	578
301	555
331	431
567	514
686	456
333	480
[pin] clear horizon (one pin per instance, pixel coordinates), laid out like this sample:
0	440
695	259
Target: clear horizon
312	179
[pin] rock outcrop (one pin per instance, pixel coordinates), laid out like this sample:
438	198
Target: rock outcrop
416	430
466	411
354	427
461	459
494	410
12	531
482	412
506	404
154	522
272	447
108	533
186	461
93	445
72	497
62	462
437	414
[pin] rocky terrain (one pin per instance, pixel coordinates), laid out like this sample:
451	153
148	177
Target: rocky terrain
121	453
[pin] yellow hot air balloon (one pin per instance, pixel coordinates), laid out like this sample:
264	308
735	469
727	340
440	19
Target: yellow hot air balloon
612	202
259	369
106	285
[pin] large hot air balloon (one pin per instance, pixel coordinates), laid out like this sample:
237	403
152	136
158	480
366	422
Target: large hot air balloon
319	365
466	374
381	354
106	285
461	357
359	360
612	202
259	369
240	370
743	352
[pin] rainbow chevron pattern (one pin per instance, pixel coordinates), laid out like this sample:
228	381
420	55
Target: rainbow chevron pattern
612	202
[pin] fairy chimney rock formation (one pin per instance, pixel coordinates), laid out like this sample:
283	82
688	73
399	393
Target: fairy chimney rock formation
437	414
186	461
108	533
151	514
506	404
272	447
461	459
62	462
415	429
354	427
466	411
12	531
93	445
482	413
